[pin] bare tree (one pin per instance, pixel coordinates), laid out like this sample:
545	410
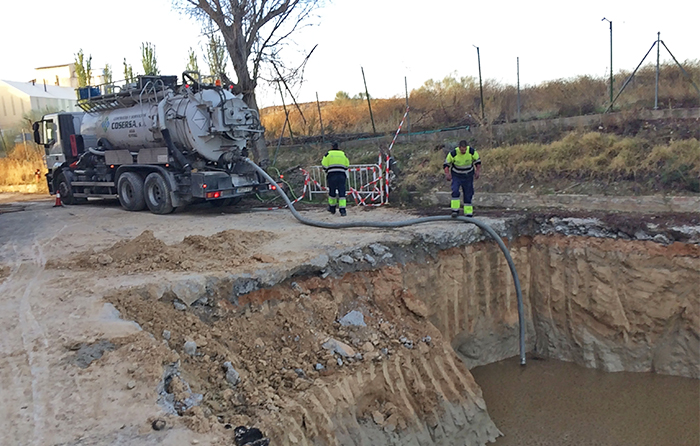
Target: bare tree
254	32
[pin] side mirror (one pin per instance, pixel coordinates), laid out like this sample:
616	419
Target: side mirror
38	136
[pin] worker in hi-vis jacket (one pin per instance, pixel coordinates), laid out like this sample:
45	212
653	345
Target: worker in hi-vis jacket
462	166
336	165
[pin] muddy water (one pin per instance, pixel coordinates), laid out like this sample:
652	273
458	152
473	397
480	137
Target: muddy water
553	403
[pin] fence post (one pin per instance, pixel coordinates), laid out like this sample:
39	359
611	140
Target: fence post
481	88
320	119
518	63
656	90
369	104
408	117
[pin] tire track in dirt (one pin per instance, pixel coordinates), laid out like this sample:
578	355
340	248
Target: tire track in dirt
26	369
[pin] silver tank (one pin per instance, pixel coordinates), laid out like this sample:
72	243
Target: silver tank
209	122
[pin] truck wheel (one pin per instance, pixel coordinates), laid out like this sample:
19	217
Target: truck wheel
157	194
130	191
64	189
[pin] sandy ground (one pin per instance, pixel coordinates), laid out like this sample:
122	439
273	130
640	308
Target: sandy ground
48	314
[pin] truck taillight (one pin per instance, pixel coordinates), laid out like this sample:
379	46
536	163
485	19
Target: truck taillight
213	194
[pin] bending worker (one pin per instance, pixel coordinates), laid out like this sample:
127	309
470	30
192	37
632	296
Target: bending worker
336	165
462	166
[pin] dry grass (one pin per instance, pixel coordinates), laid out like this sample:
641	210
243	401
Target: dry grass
19	167
596	156
454	101
608	163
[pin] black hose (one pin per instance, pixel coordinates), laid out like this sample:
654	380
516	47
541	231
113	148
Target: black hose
414	221
180	159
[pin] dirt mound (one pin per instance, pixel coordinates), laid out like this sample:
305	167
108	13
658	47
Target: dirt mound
4	273
297	343
221	251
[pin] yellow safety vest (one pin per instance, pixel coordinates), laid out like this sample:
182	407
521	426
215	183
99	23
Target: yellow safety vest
335	161
462	164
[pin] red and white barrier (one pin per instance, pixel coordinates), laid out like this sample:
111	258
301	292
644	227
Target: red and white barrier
368	183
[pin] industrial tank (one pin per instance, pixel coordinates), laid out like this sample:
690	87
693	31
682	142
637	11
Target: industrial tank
209	122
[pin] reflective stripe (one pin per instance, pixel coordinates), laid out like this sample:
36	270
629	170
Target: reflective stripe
342	202
336	168
462	169
454	204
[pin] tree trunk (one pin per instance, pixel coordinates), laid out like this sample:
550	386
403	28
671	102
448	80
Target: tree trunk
260	153
235	44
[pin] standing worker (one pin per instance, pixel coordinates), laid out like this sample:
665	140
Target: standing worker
336	165
462	166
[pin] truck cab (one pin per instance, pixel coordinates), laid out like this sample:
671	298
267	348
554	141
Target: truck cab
53	133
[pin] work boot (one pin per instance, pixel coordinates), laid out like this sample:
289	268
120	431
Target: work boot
343	213
455	214
331	209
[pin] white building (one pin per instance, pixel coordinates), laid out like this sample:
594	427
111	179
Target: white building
18	98
64	76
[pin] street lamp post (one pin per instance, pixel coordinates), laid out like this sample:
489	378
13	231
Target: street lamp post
611	64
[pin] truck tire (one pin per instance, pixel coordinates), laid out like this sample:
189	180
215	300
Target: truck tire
130	192
63	187
157	194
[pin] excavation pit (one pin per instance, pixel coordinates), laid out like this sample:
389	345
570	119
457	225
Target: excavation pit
434	308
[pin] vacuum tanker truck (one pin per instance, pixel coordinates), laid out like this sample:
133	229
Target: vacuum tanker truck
152	143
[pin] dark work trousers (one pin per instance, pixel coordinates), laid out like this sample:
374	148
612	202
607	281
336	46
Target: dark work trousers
466	182
336	183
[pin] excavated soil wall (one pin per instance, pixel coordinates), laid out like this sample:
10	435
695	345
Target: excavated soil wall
609	304
389	375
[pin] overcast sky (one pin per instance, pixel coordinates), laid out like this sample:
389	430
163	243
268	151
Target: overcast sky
391	39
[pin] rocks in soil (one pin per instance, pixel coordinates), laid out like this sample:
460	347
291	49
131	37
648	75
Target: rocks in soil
354	318
378	249
87	353
104	259
414	305
232	376
158	424
190	348
339	348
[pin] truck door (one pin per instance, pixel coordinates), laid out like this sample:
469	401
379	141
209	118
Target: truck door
46	134
56	133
